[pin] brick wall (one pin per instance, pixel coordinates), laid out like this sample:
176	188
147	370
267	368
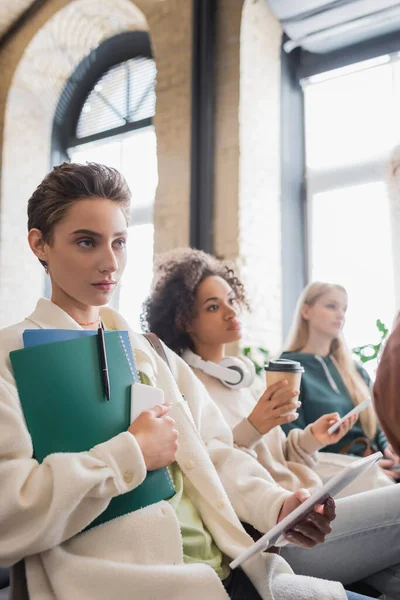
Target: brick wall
227	150
260	218
170	24
247	182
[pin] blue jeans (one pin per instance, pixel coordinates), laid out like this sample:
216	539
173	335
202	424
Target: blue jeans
239	587
363	545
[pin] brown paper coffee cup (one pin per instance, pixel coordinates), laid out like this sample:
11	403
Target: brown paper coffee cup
294	379
282	368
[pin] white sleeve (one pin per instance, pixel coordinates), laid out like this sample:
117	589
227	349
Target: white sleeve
301	446
42	505
254	495
246	435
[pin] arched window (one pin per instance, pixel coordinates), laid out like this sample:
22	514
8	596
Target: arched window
105	115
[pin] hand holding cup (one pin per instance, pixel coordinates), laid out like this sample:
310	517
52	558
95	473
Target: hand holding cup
282	368
277	405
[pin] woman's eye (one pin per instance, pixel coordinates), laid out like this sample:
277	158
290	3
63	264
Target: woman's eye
212	307
86	243
120	243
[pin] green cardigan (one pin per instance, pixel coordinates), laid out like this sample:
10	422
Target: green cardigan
324	392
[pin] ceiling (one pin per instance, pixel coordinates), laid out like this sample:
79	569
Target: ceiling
315	25
325	25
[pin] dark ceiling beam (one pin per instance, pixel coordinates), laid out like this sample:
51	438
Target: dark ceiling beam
20	21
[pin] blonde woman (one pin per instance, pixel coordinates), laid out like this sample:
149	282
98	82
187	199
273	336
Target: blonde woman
332	381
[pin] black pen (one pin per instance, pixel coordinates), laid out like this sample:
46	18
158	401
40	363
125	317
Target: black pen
103	362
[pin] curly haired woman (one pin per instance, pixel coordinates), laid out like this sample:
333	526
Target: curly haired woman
195	309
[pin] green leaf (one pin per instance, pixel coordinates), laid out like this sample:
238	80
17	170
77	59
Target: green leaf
257	355
263	351
369	352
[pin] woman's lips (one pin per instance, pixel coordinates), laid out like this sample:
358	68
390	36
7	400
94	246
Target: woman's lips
105	287
236	326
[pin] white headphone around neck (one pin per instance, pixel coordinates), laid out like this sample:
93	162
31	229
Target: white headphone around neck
231	371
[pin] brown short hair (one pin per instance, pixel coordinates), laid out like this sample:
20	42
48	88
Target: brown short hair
70	182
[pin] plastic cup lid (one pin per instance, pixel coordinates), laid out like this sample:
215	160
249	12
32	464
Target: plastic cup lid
284	365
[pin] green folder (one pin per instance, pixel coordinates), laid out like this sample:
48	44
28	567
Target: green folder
61	393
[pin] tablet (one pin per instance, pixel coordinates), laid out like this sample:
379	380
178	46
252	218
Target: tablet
357	409
331	488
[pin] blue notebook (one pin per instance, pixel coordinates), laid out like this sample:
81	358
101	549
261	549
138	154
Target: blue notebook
36	337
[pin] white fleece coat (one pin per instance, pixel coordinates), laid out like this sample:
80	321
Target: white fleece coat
290	460
293	461
44	507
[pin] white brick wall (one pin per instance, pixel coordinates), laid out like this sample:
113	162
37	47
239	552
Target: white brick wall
227	151
260	218
170	24
247	185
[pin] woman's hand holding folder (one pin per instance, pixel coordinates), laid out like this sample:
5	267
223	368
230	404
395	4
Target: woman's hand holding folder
156	435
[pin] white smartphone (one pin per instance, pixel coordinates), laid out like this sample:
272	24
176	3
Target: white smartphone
357	409
144	397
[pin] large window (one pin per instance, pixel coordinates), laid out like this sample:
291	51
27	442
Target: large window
109	105
352	123
134	154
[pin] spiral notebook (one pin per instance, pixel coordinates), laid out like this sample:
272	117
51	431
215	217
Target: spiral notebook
62	397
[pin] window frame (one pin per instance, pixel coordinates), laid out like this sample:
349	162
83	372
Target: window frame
110	53
295	66
203	123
